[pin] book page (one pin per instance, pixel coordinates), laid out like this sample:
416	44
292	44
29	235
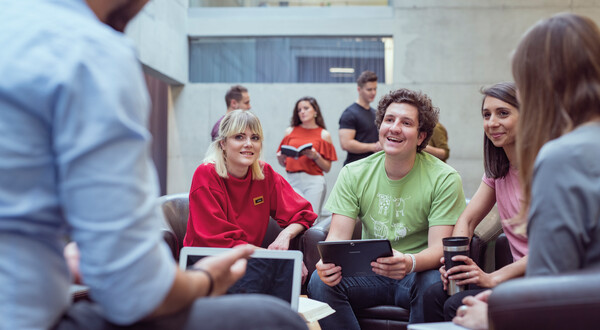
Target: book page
313	310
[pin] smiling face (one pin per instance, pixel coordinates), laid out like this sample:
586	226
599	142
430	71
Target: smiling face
241	151
306	112
499	121
399	131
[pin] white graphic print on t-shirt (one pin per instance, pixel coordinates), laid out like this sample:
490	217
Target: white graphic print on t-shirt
392	211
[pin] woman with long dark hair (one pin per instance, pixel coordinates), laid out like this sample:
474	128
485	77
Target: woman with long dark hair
557	71
561	180
305	172
500	186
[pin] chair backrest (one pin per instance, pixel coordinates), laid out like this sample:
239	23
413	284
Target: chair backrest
490	227
176	208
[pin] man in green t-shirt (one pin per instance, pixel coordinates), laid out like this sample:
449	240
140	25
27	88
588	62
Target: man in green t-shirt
401	194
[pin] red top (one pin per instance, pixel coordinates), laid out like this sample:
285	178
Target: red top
230	212
300	136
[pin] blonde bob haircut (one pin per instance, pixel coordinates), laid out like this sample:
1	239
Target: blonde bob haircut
233	123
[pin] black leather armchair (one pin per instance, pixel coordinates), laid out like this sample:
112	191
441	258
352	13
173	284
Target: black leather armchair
569	301
388	317
176	210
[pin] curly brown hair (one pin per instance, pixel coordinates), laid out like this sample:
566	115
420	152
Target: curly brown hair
428	114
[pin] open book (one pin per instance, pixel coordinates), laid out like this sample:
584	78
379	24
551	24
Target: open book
313	310
294	152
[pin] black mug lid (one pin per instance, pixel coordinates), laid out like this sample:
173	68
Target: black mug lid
455	241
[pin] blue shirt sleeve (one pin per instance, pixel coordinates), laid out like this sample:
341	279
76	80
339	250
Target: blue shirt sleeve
107	184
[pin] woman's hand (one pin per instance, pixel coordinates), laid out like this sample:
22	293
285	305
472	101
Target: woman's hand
281	242
281	158
311	153
304	272
469	273
473	314
330	274
443	274
394	267
315	156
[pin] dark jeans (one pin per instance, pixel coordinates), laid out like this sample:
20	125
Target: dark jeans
354	293
268	276
225	312
438	306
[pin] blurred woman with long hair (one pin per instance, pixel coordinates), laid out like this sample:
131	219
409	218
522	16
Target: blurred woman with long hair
557	71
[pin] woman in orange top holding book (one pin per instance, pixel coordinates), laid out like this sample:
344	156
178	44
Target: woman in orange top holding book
305	173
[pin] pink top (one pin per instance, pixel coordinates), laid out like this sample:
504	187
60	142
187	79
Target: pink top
508	200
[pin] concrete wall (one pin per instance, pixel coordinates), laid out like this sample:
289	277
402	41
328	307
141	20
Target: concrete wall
449	50
199	106
160	33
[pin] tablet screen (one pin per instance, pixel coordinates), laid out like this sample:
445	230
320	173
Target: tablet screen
276	273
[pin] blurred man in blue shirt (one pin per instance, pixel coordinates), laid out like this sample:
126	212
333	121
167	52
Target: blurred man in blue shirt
75	162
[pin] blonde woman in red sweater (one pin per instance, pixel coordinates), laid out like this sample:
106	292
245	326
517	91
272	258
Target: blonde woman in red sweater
233	195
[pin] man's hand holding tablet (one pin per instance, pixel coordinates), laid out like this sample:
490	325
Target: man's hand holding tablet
358	258
394	267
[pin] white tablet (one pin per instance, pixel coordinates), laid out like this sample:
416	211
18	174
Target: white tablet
288	261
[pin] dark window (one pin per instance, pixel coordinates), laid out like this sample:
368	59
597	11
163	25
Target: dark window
285	59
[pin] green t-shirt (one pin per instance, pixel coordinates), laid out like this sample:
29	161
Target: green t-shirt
402	210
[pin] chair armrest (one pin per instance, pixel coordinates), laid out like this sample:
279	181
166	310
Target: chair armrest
171	240
477	250
175	208
503	256
309	241
569	301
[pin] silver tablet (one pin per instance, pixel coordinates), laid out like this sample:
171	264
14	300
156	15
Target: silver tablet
289	261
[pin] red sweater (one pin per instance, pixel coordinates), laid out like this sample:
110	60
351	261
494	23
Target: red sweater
230	212
300	136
